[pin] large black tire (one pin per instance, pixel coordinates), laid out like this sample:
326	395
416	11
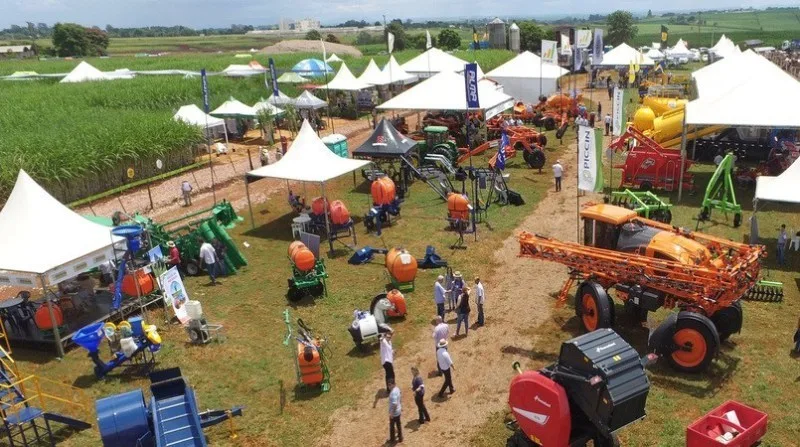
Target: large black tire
192	268
542	140
534	157
561	131
594	307
645	186
728	321
696	343
375	300
737	220
549	123
293	293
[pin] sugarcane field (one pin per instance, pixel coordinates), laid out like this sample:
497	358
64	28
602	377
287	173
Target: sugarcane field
403	223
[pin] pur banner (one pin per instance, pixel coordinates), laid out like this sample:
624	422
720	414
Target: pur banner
471	85
204	80
274	76
590	152
549	52
618	111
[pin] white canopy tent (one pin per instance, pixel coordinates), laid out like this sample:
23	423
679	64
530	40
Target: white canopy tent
655	54
233	108
307	160
623	55
346	81
84	72
371	74
333	58
239	70
281	100
433	61
192	115
308	101
523	76
655	45
679	50
265	105
719	76
723	45
393	73
291	77
446	91
479	70
44	242
782	188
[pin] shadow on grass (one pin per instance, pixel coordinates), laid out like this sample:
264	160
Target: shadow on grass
278	229
39	357
697	385
120	375
530	353
365	350
302	393
63	433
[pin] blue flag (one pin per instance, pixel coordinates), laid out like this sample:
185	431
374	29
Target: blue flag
204	82
471	85
501	151
274	75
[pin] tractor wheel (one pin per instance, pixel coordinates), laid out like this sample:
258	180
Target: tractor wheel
375	301
594	307
195	336
602	441
737	220
705	213
446	152
542	140
191	268
667	217
561	131
294	294
645	186
728	321
534	157
696	343
317	290
549	123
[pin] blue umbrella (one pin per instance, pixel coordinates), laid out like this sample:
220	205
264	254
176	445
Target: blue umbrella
312	67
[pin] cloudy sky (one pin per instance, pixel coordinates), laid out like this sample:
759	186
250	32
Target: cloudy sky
222	13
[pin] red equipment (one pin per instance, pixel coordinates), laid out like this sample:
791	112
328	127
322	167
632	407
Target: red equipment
751	428
521	139
649	165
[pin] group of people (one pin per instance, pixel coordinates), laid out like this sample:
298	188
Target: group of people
212	258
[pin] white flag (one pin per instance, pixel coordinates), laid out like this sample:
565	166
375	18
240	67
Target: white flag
549	52
428	43
590	170
618	107
324	53
583	37
565	47
390	41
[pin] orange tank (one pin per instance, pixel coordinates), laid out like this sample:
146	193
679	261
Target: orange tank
458	206
339	213
318	206
145	280
383	191
310	365
398	301
401	265
43	320
301	256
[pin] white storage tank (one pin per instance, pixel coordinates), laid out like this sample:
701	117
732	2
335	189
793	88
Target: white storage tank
497	34
194	309
513	37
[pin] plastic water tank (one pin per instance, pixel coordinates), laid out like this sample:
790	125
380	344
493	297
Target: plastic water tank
194	309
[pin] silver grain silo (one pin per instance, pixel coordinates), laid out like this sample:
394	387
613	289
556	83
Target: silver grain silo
497	34
513	37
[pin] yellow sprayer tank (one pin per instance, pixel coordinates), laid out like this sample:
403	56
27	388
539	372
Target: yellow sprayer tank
661	106
660	128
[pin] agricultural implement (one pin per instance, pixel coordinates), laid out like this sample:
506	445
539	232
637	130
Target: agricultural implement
645	203
310	358
130	341
385	204
597	387
720	194
653	265
308	273
520	139
731	424
648	165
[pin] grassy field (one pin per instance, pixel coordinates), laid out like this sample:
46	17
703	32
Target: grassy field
252	367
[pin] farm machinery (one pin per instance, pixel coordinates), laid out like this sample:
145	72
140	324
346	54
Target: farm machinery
720	194
648	165
645	203
518	139
551	113
309	355
308	273
653	265
597	386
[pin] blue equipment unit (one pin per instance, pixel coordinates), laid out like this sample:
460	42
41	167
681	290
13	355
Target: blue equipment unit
90	337
381	214
133	242
365	255
431	260
171	420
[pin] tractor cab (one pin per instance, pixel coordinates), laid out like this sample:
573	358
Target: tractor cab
435	135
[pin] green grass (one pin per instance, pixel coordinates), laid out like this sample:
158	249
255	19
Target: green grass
252	367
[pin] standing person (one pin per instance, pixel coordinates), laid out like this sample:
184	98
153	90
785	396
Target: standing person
446	365
387	358
607	121
438	296
186	191
418	387
610	88
599	108
220	249
174	258
462	312
783	240
455	289
480	298
558	171
440	332
395	410
209	259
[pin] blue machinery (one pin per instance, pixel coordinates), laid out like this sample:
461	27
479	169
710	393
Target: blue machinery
134	336
132	235
172	419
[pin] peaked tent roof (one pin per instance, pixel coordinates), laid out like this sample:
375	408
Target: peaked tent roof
84	72
722	43
333	58
291	77
41	236
679	50
655	54
243	70
782	188
308	160
308	101
192	114
722	74
233	108
264	104
527	65
371	74
446	91
393	73
312	67
345	80
624	54
433	61
385	142
281	100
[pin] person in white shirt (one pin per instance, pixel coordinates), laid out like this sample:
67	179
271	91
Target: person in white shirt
607	120
387	359
480	297
558	171
395	411
208	256
440	332
186	190
445	364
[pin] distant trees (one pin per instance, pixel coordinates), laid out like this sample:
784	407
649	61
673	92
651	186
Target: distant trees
363	38
620	28
71	39
649	13
530	36
313	35
448	39
331	38
400	37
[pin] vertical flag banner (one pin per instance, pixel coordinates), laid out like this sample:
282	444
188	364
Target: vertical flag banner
500	163
631	73
274	75
549	53
664	36
565	46
476	44
583	38
428	43
597	47
590	171
204	80
324	55
390	41
638	61
471	85
618	111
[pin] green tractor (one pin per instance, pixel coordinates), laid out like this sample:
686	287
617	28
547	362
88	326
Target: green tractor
437	141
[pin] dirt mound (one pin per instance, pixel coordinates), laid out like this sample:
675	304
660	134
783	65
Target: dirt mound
310	46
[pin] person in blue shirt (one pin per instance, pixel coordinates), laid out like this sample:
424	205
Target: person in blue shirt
395	410
439	293
418	387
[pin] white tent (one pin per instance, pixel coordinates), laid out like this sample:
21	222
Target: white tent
239	70
433	61
723	44
291	77
393	73
446	91
623	55
281	100
265	105
308	101
655	54
346	81
233	108
782	188
192	115
84	72
679	50
682	43
656	45
520	77
481	74
719	76
371	74
333	58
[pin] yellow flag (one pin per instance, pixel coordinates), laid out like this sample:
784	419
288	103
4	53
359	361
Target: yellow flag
631	74
638	61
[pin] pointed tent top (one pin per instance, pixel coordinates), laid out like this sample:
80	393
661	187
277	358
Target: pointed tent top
393	73
623	55
291	77
345	80
84	72
333	58
433	61
281	100
233	108
191	114
308	101
371	74
527	65
271	109
385	142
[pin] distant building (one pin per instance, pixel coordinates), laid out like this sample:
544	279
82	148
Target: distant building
16	51
306	24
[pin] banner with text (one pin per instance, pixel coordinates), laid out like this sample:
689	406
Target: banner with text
549	52
204	81
565	46
618	111
274	75
583	38
590	148
471	86
175	293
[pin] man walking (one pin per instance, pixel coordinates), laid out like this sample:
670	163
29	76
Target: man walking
186	190
438	296
446	365
395	410
558	171
480	296
610	89
209	259
418	386
783	240
607	120
462	312
440	332
387	359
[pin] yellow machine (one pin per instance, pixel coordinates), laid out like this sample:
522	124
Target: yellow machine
665	128
661	106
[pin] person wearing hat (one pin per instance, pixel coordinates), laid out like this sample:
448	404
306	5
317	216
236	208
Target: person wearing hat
440	332
455	289
174	254
446	365
439	293
387	359
558	171
462	312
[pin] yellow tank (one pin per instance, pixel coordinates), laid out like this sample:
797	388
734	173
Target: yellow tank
643	119
667	126
661	106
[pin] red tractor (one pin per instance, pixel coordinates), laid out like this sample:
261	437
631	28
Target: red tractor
650	166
